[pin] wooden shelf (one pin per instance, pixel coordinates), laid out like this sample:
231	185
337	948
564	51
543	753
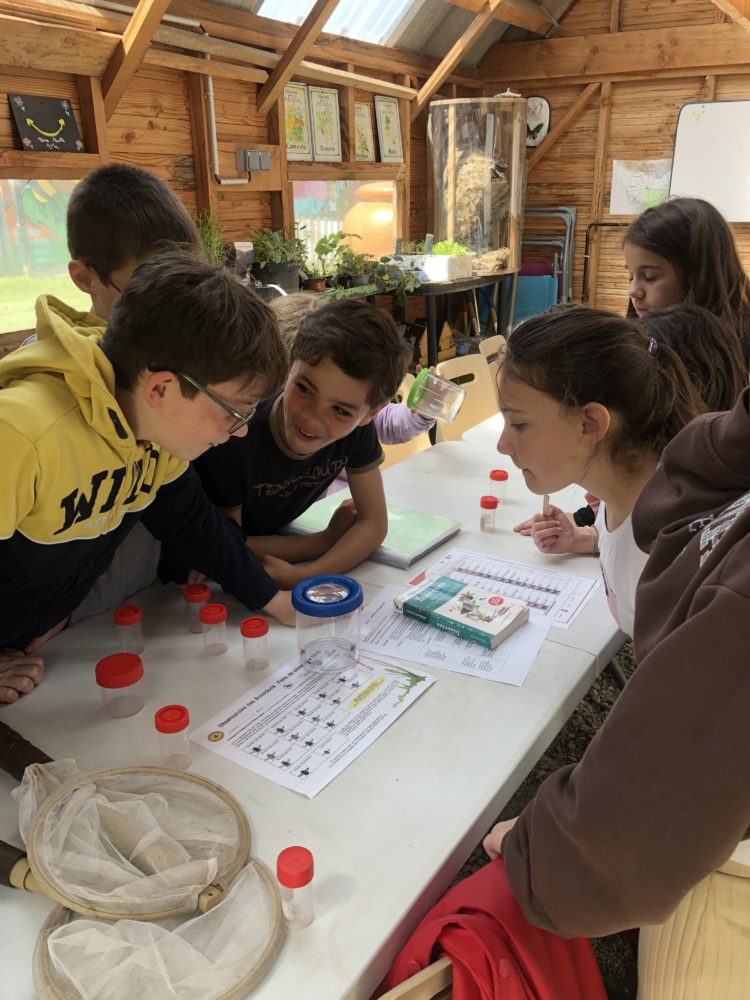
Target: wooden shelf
299	171
50	166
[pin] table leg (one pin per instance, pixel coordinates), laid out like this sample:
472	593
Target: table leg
431	331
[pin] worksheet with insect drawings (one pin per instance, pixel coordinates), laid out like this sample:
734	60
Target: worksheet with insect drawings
301	729
555	597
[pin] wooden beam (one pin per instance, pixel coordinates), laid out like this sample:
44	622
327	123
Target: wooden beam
129	53
453	57
301	171
600	174
518	13
46	47
92	116
738	10
562	126
53	166
615	15
205	189
629	54
205	67
303	41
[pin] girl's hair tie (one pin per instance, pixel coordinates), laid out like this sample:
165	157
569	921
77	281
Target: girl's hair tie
652	347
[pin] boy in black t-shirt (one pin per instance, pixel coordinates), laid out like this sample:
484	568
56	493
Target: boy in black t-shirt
348	359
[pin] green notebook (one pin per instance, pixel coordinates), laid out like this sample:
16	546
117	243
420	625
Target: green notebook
411	533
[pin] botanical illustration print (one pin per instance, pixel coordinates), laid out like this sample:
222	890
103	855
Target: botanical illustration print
296	122
478	609
324	114
363	142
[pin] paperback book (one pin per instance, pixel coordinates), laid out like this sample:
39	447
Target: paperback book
480	616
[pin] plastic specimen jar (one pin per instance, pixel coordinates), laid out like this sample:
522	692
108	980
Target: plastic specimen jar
487	508
327	619
214	626
196	595
120	678
294	871
255	642
499	484
172	723
435	397
128	620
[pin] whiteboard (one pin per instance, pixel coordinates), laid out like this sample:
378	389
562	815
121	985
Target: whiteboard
712	156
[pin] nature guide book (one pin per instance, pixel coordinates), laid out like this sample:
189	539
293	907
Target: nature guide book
455	606
411	533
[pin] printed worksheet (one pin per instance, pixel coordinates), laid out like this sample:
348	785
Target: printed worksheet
301	729
552	596
389	633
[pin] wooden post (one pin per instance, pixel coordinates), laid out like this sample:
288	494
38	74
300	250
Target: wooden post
348	135
205	186
282	202
92	116
403	183
449	186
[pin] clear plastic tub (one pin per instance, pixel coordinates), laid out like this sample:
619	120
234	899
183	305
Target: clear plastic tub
171	724
487	508
255	642
214	624
434	397
294	870
499	484
128	620
327	619
120	680
197	596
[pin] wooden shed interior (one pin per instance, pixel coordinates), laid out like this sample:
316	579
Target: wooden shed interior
615	73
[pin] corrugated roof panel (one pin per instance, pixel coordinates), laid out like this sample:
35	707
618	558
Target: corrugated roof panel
367	22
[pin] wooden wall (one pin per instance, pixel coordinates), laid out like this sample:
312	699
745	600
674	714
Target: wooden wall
664	54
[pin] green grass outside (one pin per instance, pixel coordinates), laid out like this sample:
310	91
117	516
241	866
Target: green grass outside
19	293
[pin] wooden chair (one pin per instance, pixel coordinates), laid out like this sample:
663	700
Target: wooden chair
433	983
398	452
472	372
493	348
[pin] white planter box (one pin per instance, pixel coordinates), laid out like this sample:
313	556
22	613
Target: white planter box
446	267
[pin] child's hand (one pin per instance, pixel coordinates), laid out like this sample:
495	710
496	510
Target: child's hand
280	608
493	841
524	528
553	534
284	573
19	674
342	519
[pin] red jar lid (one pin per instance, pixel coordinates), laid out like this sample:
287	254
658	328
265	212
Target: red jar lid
212	614
294	867
197	593
171	719
119	670
128	614
499	475
488	503
253	628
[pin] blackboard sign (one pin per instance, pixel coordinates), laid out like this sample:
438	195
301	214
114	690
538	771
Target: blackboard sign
46	123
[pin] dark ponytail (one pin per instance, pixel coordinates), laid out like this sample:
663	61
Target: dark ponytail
578	355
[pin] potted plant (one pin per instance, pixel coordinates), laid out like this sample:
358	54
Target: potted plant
353	268
448	261
313	278
277	258
392	279
210	234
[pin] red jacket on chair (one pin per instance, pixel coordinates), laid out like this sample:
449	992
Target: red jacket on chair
496	954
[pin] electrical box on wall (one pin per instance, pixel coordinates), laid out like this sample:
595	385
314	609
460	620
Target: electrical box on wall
248	160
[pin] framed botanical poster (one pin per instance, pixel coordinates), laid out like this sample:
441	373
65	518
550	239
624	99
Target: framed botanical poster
389	130
326	124
364	144
297	122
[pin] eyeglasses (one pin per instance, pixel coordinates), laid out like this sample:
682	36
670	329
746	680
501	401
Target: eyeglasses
240	419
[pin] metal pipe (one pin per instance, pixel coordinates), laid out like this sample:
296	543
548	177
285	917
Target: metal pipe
586	253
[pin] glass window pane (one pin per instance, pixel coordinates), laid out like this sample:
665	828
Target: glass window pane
33	250
365	208
366	22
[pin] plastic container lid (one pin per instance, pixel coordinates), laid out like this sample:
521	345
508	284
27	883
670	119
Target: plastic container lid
327	596
128	614
488	503
212	614
253	628
295	867
119	670
498	475
418	388
171	719
197	593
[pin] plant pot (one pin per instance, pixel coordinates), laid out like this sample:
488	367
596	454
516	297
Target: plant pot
314	284
352	280
284	275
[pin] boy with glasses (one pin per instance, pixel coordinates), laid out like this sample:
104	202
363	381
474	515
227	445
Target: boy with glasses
97	429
